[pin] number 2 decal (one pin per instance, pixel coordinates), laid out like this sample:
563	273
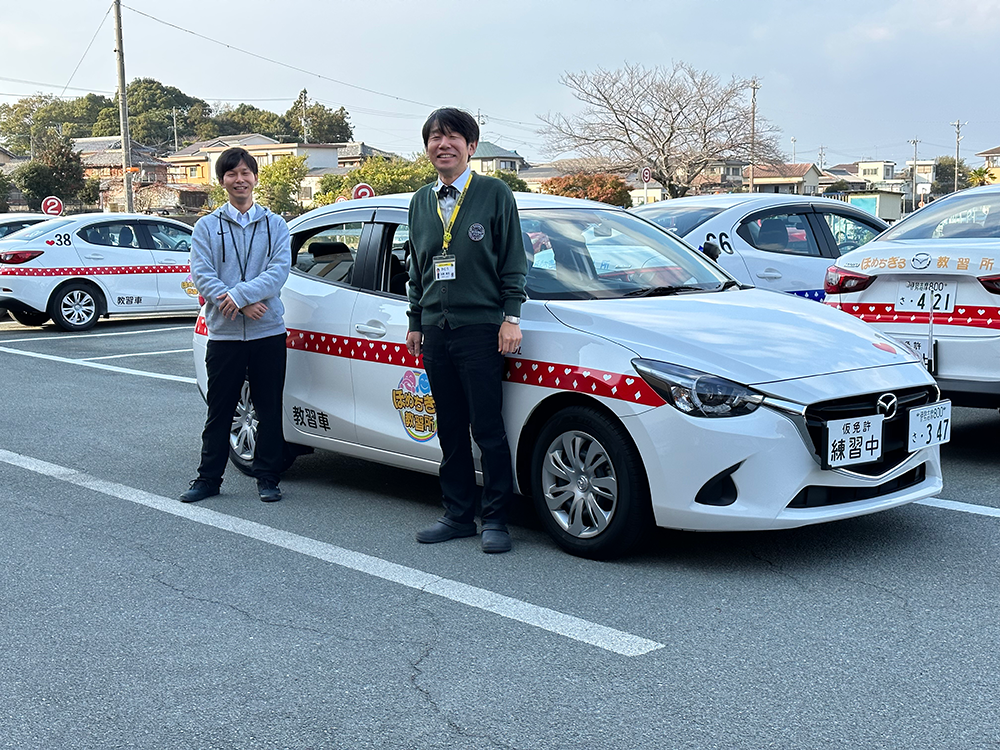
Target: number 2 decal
724	244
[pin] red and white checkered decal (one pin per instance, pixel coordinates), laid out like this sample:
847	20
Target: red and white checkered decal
629	388
975	317
91	270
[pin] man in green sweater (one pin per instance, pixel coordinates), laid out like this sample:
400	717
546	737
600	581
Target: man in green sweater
467	269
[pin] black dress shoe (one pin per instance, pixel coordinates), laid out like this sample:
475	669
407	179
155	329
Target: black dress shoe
199	490
268	491
445	529
495	540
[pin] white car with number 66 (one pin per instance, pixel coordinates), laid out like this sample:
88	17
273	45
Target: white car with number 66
651	387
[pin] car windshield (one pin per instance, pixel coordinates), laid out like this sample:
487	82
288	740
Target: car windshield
680	219
29	233
595	254
970	215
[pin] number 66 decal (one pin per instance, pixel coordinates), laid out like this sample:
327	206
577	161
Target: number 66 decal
723	242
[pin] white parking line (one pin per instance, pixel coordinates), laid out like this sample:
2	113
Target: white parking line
979	510
575	628
135	354
74	337
97	366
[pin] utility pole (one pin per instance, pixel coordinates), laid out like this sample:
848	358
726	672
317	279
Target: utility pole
305	125
123	111
793	149
958	137
176	147
754	86
822	157
913	175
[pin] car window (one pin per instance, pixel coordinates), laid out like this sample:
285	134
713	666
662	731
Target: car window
330	254
680	219
780	233
169	236
849	232
17	226
584	254
971	215
111	234
394	272
30	233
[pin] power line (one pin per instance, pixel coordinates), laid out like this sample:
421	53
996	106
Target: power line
99	27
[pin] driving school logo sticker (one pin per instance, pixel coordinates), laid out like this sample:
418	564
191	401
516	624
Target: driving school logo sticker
476	232
415	405
188	286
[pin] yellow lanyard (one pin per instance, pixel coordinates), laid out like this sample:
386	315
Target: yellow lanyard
454	214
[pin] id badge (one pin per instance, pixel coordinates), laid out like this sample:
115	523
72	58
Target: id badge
444	267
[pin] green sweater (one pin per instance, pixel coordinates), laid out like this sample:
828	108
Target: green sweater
489	271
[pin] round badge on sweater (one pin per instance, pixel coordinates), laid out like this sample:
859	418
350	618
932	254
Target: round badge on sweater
476	232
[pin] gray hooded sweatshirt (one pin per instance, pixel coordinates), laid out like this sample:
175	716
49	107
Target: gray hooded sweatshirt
249	263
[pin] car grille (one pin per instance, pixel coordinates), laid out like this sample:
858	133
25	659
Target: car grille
894	430
818	497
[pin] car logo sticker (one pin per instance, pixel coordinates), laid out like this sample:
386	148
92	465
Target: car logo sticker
920	261
415	404
476	232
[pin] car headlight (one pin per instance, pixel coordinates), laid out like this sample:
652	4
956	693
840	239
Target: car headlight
697	393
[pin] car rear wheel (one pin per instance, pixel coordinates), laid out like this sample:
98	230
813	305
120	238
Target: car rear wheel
589	487
75	306
243	437
30	317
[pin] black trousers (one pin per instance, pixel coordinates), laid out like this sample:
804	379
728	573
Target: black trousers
465	370
230	363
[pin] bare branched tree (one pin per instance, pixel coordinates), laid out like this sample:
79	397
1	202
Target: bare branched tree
674	121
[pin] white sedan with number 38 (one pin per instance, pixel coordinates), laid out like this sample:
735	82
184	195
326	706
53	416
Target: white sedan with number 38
651	387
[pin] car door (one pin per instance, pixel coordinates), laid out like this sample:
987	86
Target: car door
783	250
319	299
112	254
395	410
170	245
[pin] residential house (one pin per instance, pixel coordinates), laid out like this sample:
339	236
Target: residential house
720	176
925	176
992	157
192	164
490	158
799	179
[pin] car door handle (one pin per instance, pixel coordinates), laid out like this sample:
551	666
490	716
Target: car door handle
769	274
376	331
166	262
94	256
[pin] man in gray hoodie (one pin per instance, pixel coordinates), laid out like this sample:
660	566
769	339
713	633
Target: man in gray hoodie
240	257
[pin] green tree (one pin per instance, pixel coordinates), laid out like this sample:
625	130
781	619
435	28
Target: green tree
249	119
606	188
386	176
840	186
279	184
944	175
217	195
514	182
74	118
17	120
324	125
5	186
57	171
108	122
90	193
980	176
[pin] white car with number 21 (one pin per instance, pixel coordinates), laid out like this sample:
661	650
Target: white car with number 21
654	389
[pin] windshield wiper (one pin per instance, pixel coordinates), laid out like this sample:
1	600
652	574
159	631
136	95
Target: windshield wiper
663	291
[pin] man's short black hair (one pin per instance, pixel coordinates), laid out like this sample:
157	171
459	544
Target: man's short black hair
231	158
451	120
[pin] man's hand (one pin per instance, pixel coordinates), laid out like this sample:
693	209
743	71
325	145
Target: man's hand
226	306
414	342
255	311
510	337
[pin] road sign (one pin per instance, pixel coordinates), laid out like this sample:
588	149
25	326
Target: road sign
341	199
52	206
361	190
647	175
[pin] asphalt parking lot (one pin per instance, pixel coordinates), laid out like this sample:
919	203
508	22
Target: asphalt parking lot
133	621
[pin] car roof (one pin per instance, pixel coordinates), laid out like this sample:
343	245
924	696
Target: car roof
20	216
102	216
524	201
748	201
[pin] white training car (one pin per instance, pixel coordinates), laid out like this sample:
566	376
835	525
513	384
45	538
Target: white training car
15	222
933	282
75	269
774	241
651	387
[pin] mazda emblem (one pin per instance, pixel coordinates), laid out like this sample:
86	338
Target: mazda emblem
887	404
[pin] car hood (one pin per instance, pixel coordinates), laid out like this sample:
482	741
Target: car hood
964	257
751	336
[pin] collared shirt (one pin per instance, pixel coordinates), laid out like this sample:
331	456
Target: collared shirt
243	219
448	204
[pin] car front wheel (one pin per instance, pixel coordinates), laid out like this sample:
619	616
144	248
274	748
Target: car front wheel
243	437
589	487
75	307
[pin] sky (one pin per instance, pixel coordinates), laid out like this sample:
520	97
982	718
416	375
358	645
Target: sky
857	78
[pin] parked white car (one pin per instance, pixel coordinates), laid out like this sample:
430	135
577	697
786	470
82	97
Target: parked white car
651	387
75	269
933	282
10	223
774	241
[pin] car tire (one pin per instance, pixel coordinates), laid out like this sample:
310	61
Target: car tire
589	487
243	437
75	306
30	318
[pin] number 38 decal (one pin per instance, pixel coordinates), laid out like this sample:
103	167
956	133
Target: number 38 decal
723	242
63	239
